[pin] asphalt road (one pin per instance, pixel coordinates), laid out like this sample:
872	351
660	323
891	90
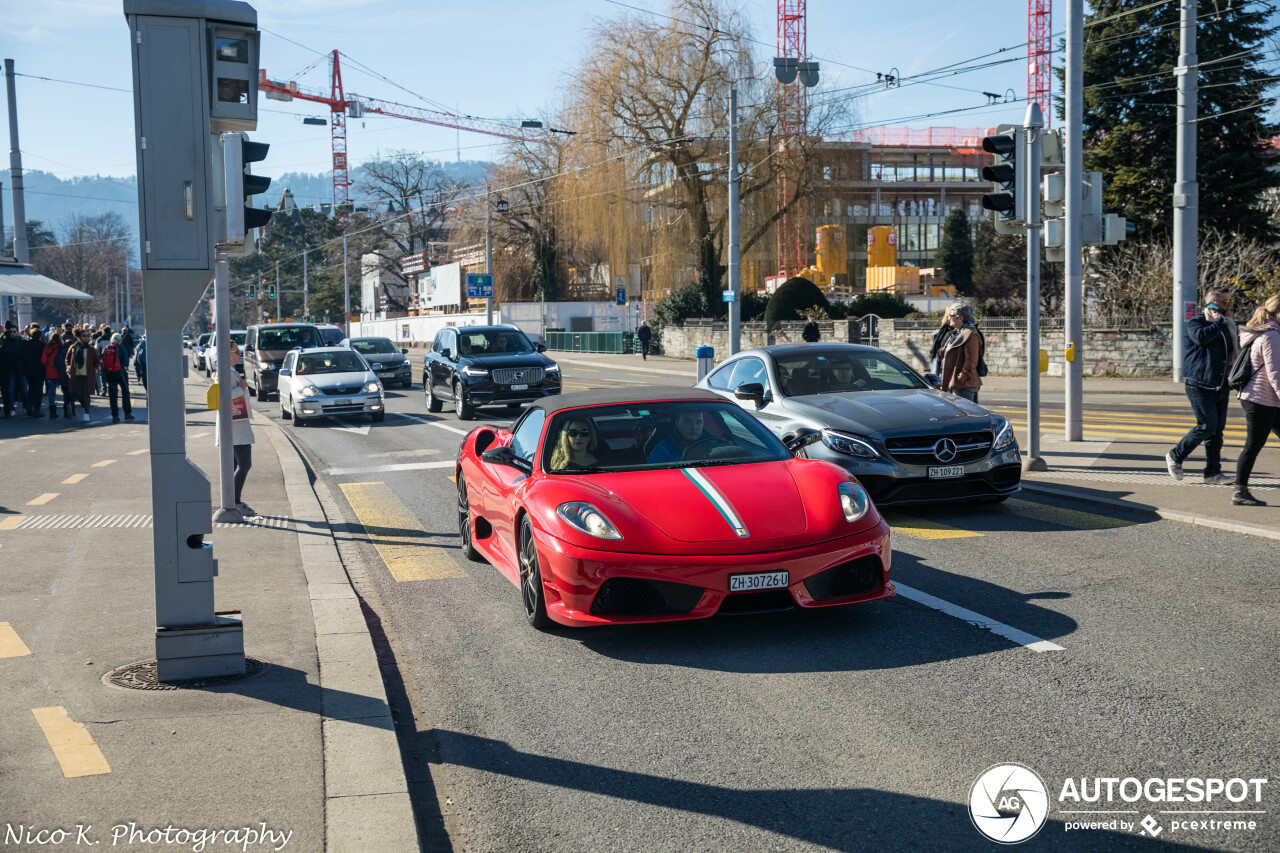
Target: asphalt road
860	728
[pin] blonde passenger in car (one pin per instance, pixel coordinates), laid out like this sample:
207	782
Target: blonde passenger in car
577	446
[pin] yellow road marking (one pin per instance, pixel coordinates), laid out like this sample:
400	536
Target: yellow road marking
587	369
11	645
73	479
410	552
137	452
453	479
103	464
919	528
1065	517
43	499
9	522
71	743
568	385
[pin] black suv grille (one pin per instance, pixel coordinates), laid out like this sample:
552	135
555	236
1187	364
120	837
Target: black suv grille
856	577
919	449
638	597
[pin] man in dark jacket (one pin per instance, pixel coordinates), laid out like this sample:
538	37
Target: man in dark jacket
1209	348
33	369
645	334
10	369
810	332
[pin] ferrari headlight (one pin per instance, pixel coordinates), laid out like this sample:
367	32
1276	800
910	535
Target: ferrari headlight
849	445
308	391
372	387
1004	436
582	516
853	500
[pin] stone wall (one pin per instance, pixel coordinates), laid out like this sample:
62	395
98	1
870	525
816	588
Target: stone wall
683	341
1120	352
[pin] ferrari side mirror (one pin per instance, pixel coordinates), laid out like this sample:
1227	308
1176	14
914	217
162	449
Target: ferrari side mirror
507	456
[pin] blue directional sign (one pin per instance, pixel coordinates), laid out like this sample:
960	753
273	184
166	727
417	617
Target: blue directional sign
622	296
730	296
479	285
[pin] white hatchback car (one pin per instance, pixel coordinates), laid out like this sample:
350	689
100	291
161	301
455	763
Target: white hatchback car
328	381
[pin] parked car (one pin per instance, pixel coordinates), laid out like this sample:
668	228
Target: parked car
391	364
187	342
315	383
198	350
211	352
475	366
883	422
266	348
331	335
579	506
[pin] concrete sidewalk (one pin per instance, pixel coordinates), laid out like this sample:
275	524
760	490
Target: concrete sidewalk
306	749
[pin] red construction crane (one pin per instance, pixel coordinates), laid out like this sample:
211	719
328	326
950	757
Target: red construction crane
793	113
342	105
1040	55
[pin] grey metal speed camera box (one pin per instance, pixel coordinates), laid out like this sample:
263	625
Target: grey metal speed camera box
233	55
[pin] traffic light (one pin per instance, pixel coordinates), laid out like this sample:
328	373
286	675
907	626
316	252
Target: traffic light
238	153
271	291
1006	204
253	291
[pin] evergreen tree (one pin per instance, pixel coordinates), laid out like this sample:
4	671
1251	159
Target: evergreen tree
955	252
1000	264
1130	113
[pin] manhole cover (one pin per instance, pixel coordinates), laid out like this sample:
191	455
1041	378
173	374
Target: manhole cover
142	676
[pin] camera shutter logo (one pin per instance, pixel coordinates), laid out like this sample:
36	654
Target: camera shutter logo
945	450
1009	803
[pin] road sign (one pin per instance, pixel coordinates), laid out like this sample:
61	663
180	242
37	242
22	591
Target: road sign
479	286
622	296
501	205
728	296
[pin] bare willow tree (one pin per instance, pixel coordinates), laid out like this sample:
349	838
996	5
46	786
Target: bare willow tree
412	198
527	235
91	257
646	175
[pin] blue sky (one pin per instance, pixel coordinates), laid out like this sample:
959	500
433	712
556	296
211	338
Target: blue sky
496	58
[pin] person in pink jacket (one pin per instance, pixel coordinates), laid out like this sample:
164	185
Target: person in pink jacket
1261	397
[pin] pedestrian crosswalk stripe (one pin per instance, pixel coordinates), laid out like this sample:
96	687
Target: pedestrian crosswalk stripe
95	522
408	550
11	645
71	743
920	528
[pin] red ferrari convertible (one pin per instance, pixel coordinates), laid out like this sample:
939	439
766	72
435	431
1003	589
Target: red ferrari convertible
660	504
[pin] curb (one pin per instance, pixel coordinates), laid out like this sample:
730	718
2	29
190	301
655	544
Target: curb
367	805
1171	515
555	356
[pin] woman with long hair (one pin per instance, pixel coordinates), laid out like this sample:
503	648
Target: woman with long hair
1260	398
577	445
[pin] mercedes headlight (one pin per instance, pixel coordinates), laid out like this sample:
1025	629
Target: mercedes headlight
854	501
308	391
582	516
373	387
1004	436
474	371
849	445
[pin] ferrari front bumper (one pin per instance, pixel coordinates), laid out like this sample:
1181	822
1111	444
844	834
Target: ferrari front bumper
663	588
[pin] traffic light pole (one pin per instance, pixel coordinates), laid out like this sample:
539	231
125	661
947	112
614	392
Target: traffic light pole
277	291
346	290
227	512
1030	185
1073	244
488	253
306	297
735	286
1186	190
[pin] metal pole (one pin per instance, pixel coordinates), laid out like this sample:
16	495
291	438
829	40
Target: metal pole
488	253
306	297
20	253
226	382
1073	239
1029	180
128	298
1186	190
735	285
346	290
277	291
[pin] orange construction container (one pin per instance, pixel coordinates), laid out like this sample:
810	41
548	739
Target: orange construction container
832	257
882	246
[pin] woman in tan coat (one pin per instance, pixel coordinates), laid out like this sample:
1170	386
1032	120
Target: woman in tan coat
961	353
82	367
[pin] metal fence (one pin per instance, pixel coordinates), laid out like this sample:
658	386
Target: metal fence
606	342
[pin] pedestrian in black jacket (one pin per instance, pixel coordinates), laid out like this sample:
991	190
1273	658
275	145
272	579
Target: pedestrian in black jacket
645	334
10	369
811	332
33	370
1210	347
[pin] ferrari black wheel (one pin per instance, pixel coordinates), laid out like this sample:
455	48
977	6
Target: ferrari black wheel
464	522
535	605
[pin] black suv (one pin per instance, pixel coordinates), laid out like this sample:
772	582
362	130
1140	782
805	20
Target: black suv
474	366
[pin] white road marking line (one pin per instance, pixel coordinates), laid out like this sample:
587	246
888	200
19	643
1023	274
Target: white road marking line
340	423
402	466
433	423
1022	638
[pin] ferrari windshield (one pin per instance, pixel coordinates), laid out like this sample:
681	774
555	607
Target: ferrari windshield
645	436
493	342
330	362
841	371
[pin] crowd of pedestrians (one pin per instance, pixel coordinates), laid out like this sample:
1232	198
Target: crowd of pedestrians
77	362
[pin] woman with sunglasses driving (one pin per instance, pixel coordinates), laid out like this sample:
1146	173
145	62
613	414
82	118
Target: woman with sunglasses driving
577	446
